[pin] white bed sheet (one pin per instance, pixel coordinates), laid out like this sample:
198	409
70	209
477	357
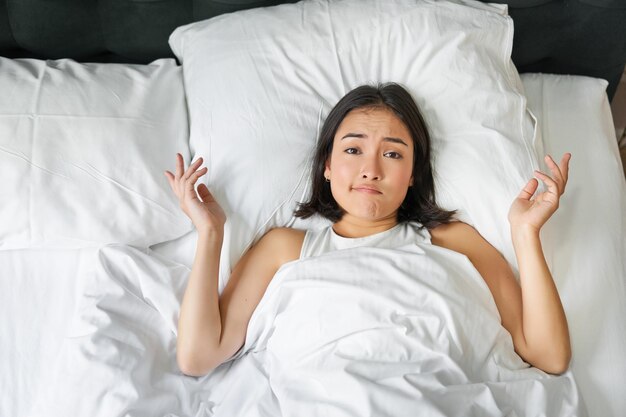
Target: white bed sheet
41	286
38	292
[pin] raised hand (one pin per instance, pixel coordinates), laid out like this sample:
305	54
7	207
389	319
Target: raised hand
529	212
204	212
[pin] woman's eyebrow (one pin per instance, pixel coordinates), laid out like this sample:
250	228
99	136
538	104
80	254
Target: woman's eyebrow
385	139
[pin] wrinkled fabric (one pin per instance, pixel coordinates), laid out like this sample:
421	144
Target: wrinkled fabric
364	331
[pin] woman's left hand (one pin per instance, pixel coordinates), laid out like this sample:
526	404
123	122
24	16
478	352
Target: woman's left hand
534	213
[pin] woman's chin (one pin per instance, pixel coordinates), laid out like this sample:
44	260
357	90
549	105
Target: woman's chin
372	214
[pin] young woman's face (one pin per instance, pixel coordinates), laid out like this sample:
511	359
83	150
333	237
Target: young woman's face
370	167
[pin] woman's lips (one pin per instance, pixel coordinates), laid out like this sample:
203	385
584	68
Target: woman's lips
367	190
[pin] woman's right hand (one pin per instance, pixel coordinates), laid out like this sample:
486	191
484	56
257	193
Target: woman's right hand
205	214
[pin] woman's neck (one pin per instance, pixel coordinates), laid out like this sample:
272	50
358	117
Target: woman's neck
352	227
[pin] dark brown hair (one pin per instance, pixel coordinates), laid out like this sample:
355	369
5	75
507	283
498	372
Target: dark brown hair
419	204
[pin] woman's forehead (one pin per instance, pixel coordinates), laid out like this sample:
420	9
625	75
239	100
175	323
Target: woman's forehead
379	121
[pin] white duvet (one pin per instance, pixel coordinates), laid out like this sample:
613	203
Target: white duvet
358	332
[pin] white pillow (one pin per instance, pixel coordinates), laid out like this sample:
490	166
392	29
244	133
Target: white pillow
84	147
260	83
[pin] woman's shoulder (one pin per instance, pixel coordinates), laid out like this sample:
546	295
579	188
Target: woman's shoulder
284	243
449	234
463	238
285	234
447	227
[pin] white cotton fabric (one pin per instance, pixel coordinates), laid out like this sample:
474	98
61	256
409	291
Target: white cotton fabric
261	82
117	356
319	241
404	331
39	290
392	332
83	147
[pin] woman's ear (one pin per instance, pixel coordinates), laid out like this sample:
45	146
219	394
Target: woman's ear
327	168
411	182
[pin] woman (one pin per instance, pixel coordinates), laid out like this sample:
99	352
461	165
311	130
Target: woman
372	175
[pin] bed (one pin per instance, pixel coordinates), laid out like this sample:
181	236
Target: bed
95	100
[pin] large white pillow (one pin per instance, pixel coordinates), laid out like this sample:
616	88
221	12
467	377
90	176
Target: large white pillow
84	147
260	83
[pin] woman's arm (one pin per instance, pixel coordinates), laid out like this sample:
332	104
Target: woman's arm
200	321
533	315
543	315
531	310
212	328
546	336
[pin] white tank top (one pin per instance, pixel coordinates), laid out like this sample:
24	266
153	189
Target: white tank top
317	242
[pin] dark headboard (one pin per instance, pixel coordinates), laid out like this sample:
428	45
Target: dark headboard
585	37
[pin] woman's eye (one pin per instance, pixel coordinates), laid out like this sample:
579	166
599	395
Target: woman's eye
393	155
352	151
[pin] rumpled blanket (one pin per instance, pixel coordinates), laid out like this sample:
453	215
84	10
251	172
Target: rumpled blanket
359	332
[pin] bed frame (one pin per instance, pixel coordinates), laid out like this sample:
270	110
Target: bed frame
583	37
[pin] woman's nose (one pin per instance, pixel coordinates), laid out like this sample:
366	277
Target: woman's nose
371	169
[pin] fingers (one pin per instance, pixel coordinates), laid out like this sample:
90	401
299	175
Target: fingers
179	165
554	168
559	172
183	181
170	178
553	187
204	193
190	181
529	189
564	165
192	168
